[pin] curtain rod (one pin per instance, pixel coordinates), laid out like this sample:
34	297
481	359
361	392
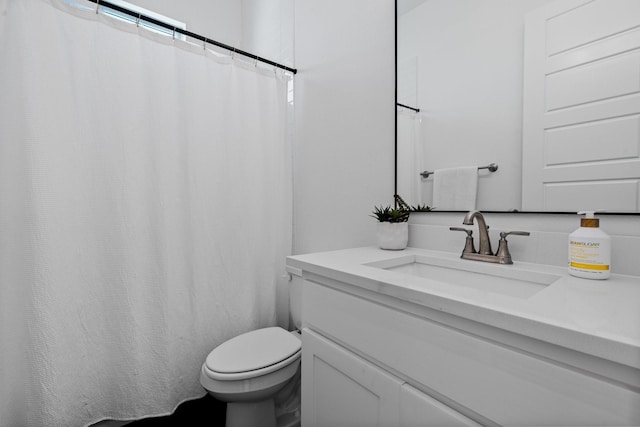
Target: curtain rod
417	110
151	20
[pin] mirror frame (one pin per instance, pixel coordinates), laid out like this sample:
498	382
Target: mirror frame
395	149
395	99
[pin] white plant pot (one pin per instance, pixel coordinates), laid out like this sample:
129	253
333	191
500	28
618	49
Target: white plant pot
393	235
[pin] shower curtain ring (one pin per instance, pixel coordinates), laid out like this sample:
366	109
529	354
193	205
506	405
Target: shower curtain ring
174	33
138	20
204	44
97	6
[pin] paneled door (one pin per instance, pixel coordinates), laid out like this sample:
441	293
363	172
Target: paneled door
581	116
340	389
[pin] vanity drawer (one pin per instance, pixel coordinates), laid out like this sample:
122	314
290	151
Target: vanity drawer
507	386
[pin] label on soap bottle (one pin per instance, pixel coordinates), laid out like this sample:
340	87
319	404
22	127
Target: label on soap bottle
589	258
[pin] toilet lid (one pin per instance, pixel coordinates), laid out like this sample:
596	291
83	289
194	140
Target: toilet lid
253	350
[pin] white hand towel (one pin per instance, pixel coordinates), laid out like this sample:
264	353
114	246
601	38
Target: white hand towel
455	189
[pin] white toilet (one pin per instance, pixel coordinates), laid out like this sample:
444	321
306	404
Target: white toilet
248	370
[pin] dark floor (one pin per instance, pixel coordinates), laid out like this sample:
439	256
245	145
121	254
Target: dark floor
205	411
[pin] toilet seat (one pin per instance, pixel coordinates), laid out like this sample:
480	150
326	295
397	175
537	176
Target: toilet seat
253	354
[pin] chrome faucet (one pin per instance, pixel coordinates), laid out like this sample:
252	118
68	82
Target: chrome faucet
502	256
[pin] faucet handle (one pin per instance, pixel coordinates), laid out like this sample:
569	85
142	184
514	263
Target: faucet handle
504	234
503	249
468	231
468	244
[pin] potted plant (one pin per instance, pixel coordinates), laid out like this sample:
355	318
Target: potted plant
393	229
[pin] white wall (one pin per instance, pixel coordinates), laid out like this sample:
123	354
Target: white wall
469	88
267	28
344	102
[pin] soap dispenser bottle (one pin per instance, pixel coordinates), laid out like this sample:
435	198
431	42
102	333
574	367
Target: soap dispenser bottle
589	249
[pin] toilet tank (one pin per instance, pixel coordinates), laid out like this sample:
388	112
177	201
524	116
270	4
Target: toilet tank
295	297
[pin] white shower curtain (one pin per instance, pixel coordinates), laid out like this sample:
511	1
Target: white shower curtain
410	156
145	213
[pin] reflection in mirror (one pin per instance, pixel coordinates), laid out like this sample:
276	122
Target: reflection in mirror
462	63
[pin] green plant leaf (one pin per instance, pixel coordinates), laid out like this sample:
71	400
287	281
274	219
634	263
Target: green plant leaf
421	208
389	214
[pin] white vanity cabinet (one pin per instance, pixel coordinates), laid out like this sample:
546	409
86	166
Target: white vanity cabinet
343	389
420	409
371	359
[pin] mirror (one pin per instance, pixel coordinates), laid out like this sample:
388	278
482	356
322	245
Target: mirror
466	65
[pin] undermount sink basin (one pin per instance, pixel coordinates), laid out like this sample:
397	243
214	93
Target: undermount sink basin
507	280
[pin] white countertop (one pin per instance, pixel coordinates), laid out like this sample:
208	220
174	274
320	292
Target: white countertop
596	317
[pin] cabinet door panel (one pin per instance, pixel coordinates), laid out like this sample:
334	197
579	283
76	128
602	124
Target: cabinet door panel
503	385
341	389
420	410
